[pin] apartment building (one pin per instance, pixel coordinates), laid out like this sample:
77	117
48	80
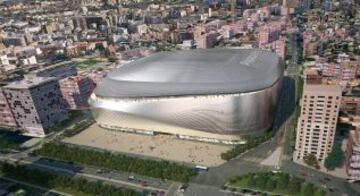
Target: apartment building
352	155
36	103
316	127
6	115
350	105
76	90
207	40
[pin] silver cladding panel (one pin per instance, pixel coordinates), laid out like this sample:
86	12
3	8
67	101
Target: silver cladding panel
240	114
194	72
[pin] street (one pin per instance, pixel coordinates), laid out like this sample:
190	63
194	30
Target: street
118	179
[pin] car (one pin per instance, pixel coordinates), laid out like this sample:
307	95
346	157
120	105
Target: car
131	178
351	180
106	171
275	171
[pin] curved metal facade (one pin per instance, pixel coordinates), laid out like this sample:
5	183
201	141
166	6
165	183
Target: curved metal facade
220	117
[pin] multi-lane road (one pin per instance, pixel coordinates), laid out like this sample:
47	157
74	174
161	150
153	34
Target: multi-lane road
118	179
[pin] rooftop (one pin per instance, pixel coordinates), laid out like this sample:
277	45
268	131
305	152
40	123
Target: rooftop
28	82
194	72
54	66
323	88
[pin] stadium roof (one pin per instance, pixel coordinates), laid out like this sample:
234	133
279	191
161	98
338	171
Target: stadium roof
194	72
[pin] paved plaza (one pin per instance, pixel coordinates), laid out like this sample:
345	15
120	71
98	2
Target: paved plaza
160	146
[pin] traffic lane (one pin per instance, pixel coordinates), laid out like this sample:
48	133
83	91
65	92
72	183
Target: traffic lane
62	171
124	176
111	174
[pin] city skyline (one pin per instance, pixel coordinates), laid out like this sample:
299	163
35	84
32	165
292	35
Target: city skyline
180	97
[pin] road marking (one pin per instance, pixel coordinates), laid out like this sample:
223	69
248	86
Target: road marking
120	182
87	175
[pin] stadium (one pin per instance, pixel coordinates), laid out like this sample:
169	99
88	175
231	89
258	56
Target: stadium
215	95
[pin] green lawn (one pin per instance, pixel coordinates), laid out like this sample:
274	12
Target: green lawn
71	192
274	184
88	63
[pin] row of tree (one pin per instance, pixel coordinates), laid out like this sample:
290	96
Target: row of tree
280	183
241	148
52	181
9	145
157	169
335	158
78	127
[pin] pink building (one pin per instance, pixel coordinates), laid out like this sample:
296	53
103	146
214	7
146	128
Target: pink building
352	155
277	46
330	70
76	90
134	53
248	12
268	35
316	126
96	77
207	40
280	48
349	70
6	116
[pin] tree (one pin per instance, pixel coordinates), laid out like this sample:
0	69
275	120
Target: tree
270	184
158	169
320	193
241	148
294	185
310	160
307	189
335	158
53	181
261	182
283	181
251	181
276	183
